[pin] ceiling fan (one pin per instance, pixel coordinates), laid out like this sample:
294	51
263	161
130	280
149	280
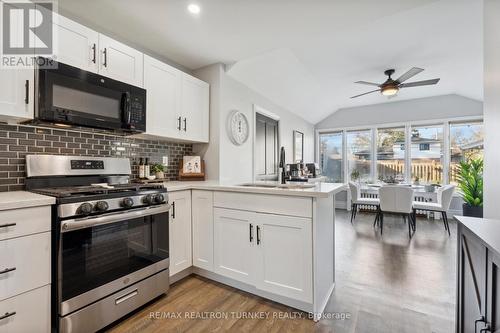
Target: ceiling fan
391	87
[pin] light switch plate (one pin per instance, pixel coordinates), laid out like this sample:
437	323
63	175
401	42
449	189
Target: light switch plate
165	160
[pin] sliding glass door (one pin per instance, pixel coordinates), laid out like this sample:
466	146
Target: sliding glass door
331	159
391	154
359	154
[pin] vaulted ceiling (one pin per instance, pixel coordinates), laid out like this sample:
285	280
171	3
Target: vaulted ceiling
304	55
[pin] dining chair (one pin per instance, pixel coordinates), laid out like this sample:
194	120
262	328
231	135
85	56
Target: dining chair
357	200
397	200
444	196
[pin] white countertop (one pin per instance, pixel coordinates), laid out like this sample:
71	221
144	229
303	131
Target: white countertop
23	199
320	190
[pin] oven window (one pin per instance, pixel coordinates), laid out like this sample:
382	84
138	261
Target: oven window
95	256
81	101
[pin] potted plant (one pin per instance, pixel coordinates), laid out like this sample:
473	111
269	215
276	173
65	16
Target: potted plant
470	183
158	169
355	175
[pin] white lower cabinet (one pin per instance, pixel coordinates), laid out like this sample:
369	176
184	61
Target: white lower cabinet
27	312
180	231
26	262
203	229
233	244
271	252
284	259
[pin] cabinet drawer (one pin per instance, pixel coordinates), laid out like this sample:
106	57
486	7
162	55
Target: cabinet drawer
32	312
264	203
30	256
25	221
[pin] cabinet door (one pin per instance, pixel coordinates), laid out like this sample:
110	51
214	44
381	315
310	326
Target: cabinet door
471	281
284	264
77	45
16	85
195	109
120	62
180	231
233	244
28	312
16	94
163	85
493	293
203	229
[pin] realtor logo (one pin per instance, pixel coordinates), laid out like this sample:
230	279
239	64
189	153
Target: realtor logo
27	33
27	28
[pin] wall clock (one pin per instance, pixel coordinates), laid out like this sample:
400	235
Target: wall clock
238	127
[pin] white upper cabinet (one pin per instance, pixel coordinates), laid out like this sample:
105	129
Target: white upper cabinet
16	94
162	83
120	62
16	85
195	108
177	103
76	45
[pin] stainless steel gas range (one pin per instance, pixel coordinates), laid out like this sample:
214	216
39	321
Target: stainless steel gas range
110	242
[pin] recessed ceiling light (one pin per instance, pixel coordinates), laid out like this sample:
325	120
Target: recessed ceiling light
194	8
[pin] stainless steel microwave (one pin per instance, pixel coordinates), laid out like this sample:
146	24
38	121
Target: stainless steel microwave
68	95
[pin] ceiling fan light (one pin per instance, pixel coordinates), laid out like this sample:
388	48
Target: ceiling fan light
389	91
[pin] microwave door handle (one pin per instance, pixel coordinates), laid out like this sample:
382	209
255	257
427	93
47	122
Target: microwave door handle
126	107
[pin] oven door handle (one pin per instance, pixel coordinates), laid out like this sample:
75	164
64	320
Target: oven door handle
83	223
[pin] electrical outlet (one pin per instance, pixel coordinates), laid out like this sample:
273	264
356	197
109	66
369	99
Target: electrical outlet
165	160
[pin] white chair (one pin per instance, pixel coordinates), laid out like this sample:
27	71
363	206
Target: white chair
357	200
444	196
398	200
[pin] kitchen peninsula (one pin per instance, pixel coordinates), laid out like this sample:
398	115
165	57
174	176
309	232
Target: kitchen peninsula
264	238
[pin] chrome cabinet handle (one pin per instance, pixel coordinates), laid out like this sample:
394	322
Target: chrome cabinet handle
185	124
258	235
7	270
7	315
94	53
8	225
105	52
251	232
27	94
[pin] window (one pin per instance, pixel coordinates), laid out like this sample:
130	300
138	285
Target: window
330	156
427	164
466	142
424	146
391	154
359	154
266	148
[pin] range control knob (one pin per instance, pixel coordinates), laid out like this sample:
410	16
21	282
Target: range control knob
101	206
85	208
149	199
127	202
159	198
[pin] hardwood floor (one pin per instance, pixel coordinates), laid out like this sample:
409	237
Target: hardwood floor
384	284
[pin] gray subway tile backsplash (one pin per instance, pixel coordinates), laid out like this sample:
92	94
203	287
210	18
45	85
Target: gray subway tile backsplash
16	141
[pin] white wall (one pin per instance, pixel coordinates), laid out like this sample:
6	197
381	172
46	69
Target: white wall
438	107
235	163
491	108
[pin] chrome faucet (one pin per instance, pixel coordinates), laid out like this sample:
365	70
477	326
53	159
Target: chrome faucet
282	165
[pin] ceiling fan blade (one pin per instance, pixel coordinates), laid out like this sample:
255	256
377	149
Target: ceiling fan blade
411	73
419	83
368	83
366	93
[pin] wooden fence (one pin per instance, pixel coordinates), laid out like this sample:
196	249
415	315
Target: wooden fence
429	171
